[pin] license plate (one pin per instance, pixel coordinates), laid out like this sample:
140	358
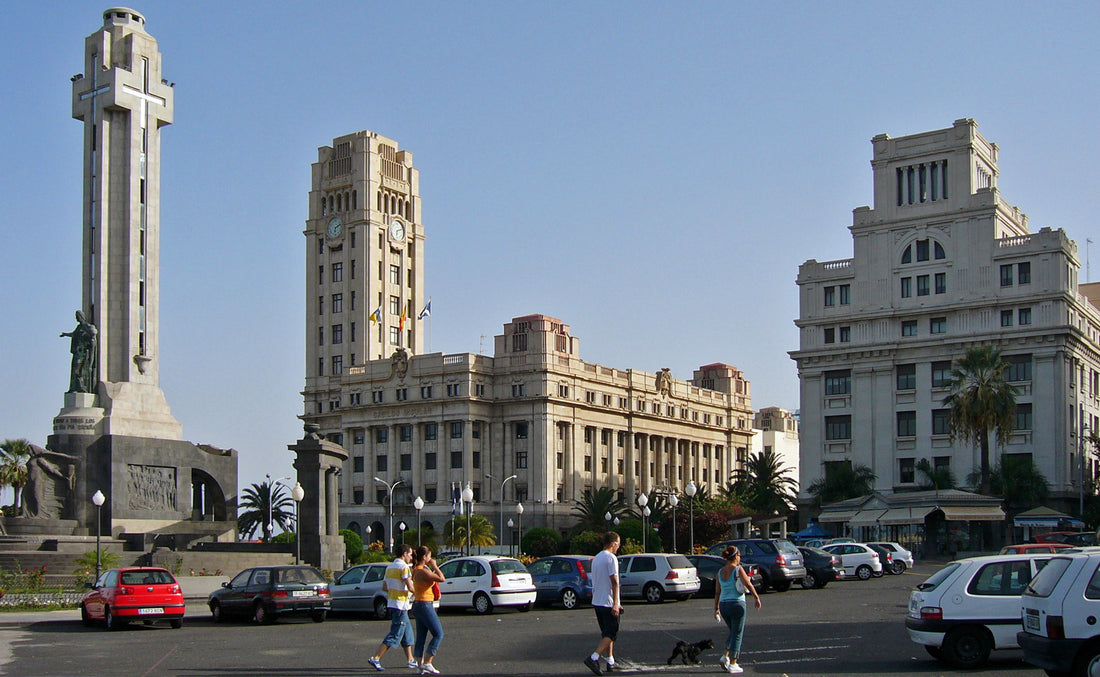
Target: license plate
304	593
796	562
1031	621
150	610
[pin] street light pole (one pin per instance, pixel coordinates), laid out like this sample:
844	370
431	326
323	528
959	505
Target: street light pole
690	490
267	525
468	499
419	505
673	501
512	477
1081	484
511	550
98	498
297	493
519	513
389	498
642	500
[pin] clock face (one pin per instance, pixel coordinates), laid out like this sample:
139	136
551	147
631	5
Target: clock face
397	230
335	228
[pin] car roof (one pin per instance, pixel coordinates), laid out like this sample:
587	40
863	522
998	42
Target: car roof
1008	557
483	558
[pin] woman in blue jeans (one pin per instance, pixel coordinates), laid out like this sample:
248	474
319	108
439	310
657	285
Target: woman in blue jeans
729	604
425	575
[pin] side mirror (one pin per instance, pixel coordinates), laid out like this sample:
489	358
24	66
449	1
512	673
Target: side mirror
90	586
227	584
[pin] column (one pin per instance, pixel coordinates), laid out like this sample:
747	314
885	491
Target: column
629	478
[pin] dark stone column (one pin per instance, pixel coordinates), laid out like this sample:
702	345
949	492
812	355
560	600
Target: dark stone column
318	462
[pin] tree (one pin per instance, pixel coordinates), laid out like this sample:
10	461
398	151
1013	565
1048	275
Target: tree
593	506
1019	482
981	400
842	481
935	478
13	466
353	544
255	503
481	531
541	542
764	484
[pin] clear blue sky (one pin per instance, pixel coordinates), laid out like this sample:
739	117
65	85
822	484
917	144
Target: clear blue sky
651	173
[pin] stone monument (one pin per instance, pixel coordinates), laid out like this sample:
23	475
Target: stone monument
318	462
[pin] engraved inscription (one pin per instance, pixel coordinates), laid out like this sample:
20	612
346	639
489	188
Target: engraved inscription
151	487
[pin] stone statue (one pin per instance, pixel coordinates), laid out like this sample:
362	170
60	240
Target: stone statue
51	477
399	362
82	378
664	381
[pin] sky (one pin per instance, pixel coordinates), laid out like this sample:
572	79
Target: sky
651	173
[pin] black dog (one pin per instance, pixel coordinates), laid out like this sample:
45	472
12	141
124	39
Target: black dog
690	652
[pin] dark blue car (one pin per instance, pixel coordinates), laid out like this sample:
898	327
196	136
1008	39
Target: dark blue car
564	579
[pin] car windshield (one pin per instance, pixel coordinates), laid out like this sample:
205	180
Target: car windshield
939	577
508	566
787	547
817	551
678	562
767	546
303	576
1043	583
146	577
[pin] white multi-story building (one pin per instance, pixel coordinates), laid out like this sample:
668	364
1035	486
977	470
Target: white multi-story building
942	263
775	429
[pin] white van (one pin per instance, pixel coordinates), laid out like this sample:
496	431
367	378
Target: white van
1059	612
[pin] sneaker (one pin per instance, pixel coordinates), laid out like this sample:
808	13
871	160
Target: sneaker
377	664
724	661
609	667
734	668
428	669
413	664
594	666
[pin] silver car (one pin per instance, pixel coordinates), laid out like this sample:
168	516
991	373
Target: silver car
653	576
359	590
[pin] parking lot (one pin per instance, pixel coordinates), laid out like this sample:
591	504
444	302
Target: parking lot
849	627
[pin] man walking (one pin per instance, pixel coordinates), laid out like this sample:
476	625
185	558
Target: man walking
605	600
399	588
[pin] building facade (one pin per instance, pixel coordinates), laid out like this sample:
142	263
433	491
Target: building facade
776	430
941	264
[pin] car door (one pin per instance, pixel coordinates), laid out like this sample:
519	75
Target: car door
545	586
96	601
234	598
847	558
347	590
628	585
463	576
993	596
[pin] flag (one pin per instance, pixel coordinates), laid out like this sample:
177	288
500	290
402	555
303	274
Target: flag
404	316
454	501
376	316
427	312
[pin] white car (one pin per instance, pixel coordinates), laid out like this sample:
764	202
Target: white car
971	606
485	582
903	559
857	559
1059	611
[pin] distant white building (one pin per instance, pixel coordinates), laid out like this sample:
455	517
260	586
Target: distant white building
776	429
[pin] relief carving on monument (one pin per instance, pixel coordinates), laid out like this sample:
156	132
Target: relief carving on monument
51	477
151	487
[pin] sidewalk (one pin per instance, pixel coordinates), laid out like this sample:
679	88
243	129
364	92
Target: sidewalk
196	590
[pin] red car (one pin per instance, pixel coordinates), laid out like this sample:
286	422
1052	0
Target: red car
133	594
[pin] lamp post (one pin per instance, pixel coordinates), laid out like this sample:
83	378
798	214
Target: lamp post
297	493
512	550
1081	484
98	498
519	512
401	527
389	498
607	516
691	490
510	477
642	500
267	524
419	505
468	499
673	501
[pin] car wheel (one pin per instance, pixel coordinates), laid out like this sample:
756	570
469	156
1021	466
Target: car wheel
934	652
261	615
381	610
967	647
318	616
85	618
1088	661
216	612
809	581
654	593
863	572
569	598
526	607
482	603
879	573
898	568
782	586
176	623
110	621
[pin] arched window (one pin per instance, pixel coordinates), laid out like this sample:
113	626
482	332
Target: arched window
939	252
907	255
339	203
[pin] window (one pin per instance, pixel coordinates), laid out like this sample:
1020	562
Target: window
430	493
405	432
1006	318
845	334
922	285
1001	578
517	389
430	461
838	382
1025	316
320	274
907	423
320	336
941	374
521	430
941	421
406	462
431	431
906	474
563	391
456	430
337	365
402	394
1006	275
395	336
1023	273
937	325
381	463
456	459
906	287
907	376
337	272
845	294
381	435
337	303
377	396
357	464
922	250
337	333
1022	420
838	427
830	335
830	296
941	283
395	305
425	392
909	328
395	274
475	430
453	390
521	459
358	497
1019	368
941	463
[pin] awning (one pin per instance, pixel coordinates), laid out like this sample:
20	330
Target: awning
1036	522
972	513
866	517
898	516
837	516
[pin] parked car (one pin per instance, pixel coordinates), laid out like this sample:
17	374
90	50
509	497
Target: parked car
971	606
707	566
1059	609
562	578
902	558
780	562
885	558
1076	538
265	594
654	576
359	590
485	582
1037	548
127	594
857	559
821	567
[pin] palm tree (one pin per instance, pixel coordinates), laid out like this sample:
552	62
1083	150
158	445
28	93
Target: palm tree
594	505
13	466
764	484
256	501
981	400
842	481
481	531
935	478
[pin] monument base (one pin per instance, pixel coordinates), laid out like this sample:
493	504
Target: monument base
79	416
33	526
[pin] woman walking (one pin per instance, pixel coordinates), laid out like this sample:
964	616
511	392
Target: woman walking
729	605
425	575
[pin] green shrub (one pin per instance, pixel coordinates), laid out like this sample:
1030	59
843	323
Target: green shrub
586	543
353	545
541	542
85	565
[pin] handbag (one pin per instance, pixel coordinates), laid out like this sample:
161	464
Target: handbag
738	584
436	592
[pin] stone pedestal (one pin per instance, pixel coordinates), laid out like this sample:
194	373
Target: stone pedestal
79	416
318	462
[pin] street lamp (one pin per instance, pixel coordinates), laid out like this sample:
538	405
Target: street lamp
673	501
297	493
270	526
98	498
511	550
510	477
519	512
646	512
401	526
468	499
607	516
642	500
1081	484
690	490
419	505
389	497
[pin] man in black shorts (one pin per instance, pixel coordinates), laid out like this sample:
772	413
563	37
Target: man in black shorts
605	600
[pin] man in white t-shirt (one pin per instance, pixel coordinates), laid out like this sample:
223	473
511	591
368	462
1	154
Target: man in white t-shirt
399	588
605	600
